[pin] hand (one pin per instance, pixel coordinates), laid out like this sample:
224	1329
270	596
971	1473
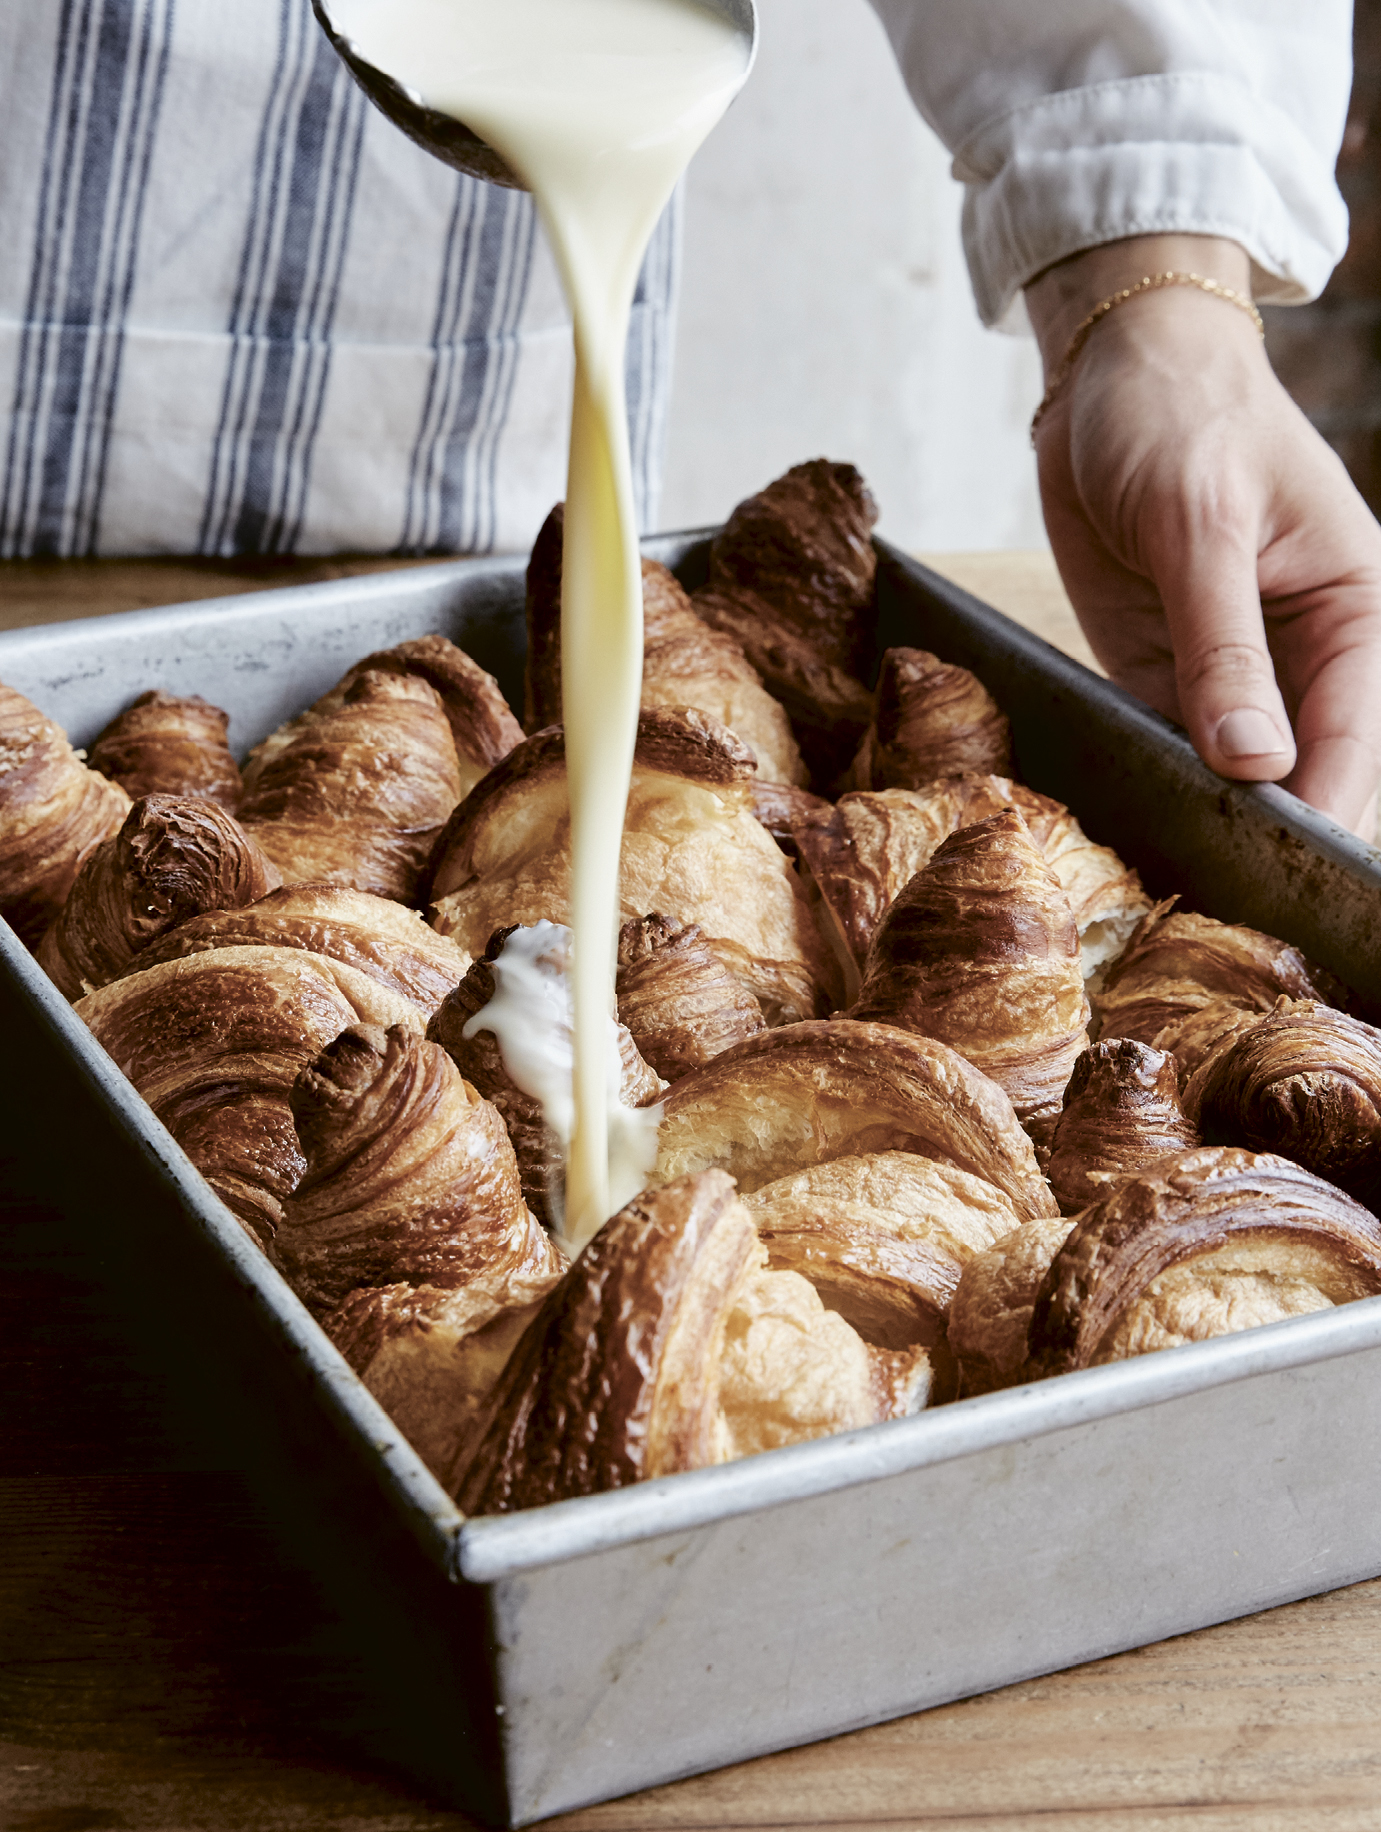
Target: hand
1220	561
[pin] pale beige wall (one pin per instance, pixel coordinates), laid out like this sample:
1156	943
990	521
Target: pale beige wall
826	309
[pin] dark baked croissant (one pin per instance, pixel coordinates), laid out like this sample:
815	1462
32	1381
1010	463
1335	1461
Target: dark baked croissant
667	1347
781	808
173	858
1177	964
810	1093
1190	1037
691	848
685	662
480	1061
1202	1244
931	719
53	810
981	951
1303	1080
165	744
990	1315
409	1174
214	1044
356	790
393	945
1121	1111
883	1239
679	1001
791	580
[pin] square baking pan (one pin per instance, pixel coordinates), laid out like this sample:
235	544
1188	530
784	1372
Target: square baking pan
533	1663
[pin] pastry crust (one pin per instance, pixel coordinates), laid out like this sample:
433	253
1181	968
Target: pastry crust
981	951
356	790
791	580
814	1092
685	663
167	744
990	1317
681	1004
390	943
53	810
409	1175
214	1044
931	719
1155	1261
1121	1112
1303	1080
691	848
172	858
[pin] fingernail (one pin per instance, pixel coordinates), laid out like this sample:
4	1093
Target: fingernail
1248	733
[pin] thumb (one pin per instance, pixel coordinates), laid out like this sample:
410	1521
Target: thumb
1225	679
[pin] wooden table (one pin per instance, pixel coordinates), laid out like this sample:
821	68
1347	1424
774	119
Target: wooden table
184	1668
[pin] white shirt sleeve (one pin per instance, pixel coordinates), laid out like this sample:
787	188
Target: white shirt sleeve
1077	122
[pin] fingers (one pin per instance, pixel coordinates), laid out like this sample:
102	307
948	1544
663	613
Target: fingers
1334	653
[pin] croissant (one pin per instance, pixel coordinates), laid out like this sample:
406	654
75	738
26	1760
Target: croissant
172	858
981	951
1121	1111
811	1093
53	810
356	791
1202	1244
780	808
691	848
480	1060
163	744
990	1315
860	855
1304	1081
1190	1037
685	663
791	580
931	719
432	1357
679	1001
214	1044
666	1347
883	1238
378	937
1177	964
409	1174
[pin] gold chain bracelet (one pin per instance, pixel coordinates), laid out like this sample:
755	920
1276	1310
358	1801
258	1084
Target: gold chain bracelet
1148	283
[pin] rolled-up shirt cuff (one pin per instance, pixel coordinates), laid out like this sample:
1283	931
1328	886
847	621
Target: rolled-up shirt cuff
1190	153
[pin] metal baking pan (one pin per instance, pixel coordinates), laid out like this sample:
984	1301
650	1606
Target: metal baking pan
538	1662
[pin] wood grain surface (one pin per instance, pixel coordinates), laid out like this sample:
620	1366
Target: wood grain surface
166	1665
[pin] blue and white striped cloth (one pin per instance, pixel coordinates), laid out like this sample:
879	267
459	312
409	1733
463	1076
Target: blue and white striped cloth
241	313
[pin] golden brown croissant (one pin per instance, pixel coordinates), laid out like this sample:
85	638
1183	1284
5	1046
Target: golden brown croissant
1190	1037
679	1001
356	792
781	808
791	580
685	662
173	858
1303	1080
1202	1244
1121	1111
1177	964
883	1239
410	1176
860	855
164	744
667	1347
214	1044
814	1092
990	1316
931	719
432	1357
981	951
691	848
480	1061
53	810
393	945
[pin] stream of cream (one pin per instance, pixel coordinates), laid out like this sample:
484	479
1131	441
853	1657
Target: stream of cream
598	106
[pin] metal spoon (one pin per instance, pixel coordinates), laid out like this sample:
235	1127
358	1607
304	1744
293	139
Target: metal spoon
450	140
